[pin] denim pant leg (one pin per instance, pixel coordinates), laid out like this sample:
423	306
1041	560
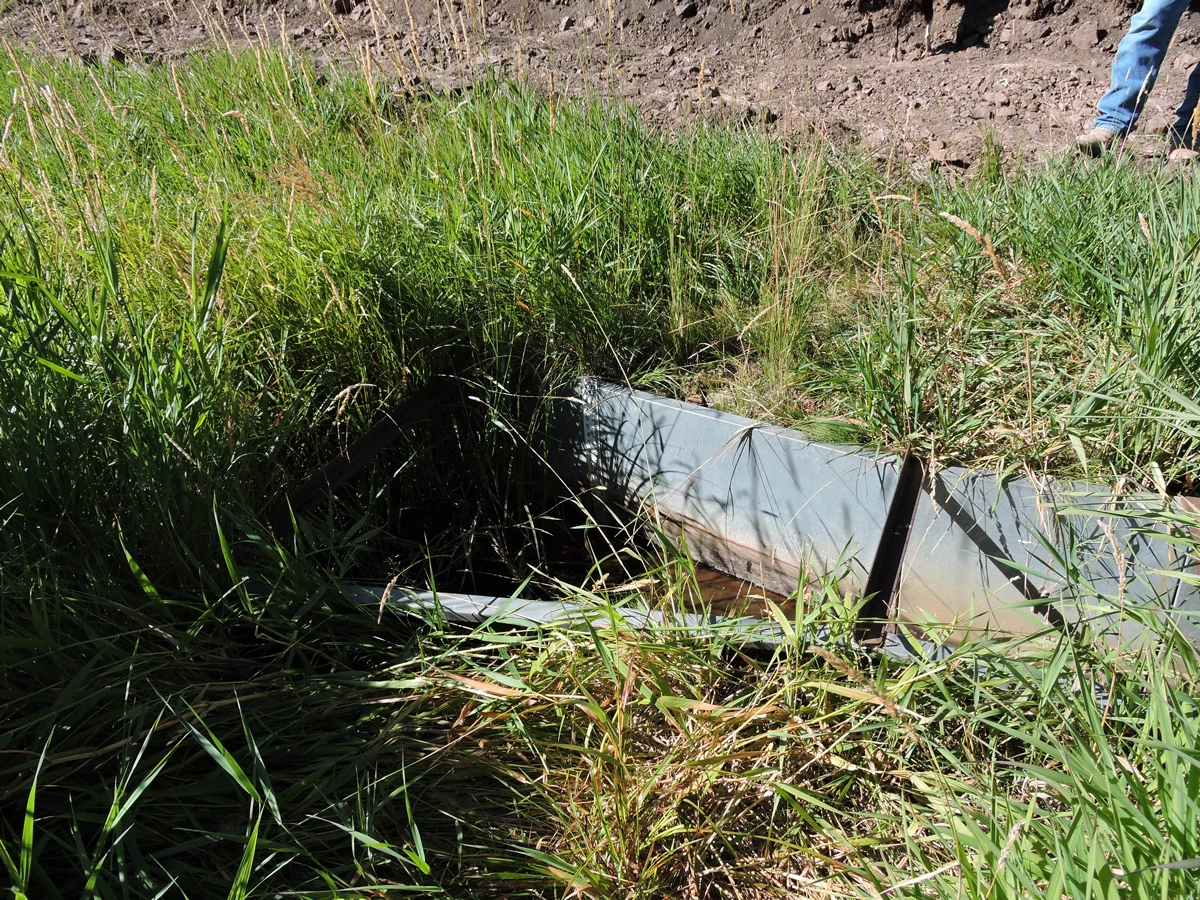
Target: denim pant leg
1184	129
1139	57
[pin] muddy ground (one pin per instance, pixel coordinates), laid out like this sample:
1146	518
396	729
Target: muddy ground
1028	71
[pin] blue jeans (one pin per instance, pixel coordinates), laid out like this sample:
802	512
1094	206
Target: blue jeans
1139	58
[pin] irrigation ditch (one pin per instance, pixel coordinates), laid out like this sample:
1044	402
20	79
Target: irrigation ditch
937	555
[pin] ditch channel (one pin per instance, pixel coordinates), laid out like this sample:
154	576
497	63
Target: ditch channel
764	512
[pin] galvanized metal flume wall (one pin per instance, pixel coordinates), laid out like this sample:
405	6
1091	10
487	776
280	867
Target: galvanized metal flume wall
974	552
479	611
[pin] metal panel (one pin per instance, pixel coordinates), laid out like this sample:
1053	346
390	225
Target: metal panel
755	501
476	610
1015	556
768	505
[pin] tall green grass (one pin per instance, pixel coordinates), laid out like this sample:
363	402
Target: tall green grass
216	273
840	296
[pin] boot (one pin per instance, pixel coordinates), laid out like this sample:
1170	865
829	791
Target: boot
1096	142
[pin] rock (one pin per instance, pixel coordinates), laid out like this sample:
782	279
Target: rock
1088	34
1185	61
567	23
980	111
686	10
918	103
961	149
1156	125
763	115
824	86
805	9
106	54
1184	156
854	85
996	98
878	138
1030	9
668	50
589	23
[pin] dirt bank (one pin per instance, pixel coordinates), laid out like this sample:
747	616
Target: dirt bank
1029	72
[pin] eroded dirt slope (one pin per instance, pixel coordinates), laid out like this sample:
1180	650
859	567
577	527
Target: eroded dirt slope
1029	71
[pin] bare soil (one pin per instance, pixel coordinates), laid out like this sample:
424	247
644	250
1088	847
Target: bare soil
1027	71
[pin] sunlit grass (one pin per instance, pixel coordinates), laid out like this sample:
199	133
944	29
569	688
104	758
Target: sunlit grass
216	273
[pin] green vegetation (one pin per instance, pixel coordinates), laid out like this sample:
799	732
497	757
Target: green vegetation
215	273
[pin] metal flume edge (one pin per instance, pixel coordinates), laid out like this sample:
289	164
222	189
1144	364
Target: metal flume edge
479	610
768	505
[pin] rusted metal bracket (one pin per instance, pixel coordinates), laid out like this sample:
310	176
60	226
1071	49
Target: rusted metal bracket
387	429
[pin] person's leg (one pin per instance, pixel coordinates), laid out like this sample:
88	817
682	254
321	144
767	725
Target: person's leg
1185	128
1139	57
